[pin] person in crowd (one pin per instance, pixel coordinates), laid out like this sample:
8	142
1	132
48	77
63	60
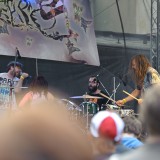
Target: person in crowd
149	114
143	75
132	131
93	88
38	92
42	133
10	83
106	129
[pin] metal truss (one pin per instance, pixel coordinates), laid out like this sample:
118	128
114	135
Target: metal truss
155	34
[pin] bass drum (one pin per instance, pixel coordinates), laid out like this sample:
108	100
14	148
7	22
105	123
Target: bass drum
73	109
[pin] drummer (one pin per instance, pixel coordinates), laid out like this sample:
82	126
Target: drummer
93	88
144	77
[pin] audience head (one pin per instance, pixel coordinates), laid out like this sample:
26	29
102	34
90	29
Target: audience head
106	129
150	109
39	84
108	125
132	125
44	132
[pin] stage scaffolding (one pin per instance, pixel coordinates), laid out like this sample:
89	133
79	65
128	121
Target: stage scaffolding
155	34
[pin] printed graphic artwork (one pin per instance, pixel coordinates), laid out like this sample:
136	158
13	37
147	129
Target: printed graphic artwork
48	29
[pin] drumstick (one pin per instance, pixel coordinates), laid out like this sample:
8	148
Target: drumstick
107	97
130	95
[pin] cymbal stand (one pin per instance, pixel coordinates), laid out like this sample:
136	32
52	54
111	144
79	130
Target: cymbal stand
87	118
114	89
87	124
104	87
110	96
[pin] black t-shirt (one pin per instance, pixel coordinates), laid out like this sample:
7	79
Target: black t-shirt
102	101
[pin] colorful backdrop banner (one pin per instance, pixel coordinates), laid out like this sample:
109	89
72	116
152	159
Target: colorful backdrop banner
59	30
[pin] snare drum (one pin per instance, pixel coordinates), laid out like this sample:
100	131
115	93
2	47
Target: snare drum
90	108
112	107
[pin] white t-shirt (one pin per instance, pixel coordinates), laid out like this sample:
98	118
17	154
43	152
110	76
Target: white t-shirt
7	96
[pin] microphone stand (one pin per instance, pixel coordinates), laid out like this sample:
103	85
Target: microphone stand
116	88
103	70
12	82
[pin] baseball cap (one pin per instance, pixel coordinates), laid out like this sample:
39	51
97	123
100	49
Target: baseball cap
107	124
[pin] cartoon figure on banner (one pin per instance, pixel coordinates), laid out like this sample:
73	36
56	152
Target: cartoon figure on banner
29	41
85	23
71	47
73	35
77	12
3	28
78	17
53	11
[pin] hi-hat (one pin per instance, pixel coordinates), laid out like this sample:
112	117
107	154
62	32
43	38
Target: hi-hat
87	97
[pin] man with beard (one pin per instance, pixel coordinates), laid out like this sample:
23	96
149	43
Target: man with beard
143	75
10	84
93	87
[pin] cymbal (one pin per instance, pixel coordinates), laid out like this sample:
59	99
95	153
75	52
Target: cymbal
87	97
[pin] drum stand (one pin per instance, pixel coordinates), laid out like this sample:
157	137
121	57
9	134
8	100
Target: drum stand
114	88
87	116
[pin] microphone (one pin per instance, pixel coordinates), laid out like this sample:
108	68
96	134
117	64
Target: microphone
18	54
29	77
97	75
101	72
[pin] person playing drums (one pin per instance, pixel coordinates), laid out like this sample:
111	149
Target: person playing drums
93	87
143	75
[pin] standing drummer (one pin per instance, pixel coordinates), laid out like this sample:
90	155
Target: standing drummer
93	88
143	75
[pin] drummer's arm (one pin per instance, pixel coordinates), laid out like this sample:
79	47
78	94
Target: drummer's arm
135	93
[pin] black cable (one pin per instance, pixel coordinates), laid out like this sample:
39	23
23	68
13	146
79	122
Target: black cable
124	38
104	9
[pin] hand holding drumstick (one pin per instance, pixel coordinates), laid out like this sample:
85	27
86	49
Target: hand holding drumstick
139	100
130	97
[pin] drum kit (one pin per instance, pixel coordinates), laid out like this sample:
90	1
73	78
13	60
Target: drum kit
87	109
